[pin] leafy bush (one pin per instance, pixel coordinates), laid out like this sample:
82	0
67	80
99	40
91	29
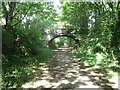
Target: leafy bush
18	70
43	56
21	51
30	41
7	42
96	55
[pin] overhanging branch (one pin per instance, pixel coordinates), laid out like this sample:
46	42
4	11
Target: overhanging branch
24	16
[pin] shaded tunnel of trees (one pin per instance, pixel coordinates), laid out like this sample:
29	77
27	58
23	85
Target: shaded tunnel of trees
25	25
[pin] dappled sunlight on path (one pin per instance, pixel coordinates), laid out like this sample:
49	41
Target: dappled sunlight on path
66	73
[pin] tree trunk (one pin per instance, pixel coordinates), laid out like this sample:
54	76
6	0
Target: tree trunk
9	14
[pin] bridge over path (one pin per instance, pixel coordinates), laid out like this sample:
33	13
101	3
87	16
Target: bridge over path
62	33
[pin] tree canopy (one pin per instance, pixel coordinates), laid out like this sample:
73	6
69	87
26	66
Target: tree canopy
27	28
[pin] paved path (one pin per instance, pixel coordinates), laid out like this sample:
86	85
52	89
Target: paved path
64	73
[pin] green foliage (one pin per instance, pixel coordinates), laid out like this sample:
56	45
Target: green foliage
24	39
30	41
45	54
96	27
7	41
24	35
18	70
30	20
17	73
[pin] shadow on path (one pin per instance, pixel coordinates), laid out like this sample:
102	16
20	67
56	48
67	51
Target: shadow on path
63	73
